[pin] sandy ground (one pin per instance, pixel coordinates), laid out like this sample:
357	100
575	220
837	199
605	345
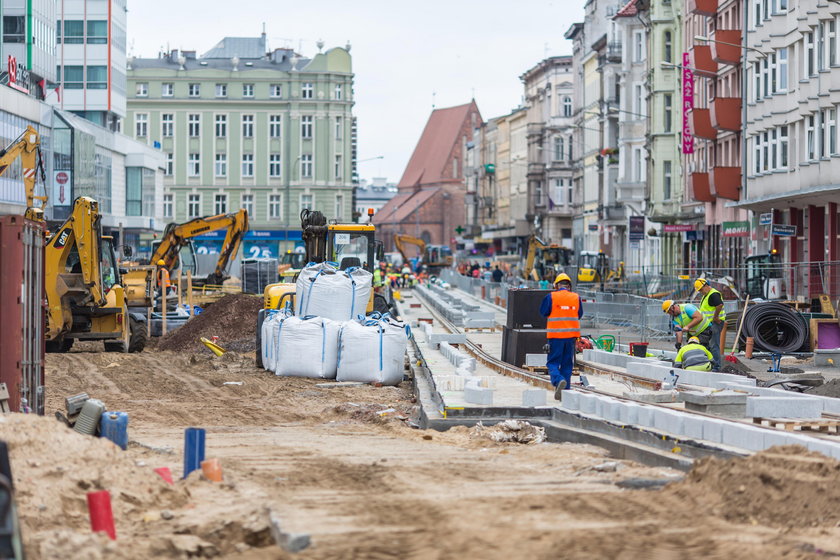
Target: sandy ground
366	485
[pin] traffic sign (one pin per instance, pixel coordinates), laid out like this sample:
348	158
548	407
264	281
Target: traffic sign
460	230
765	219
782	230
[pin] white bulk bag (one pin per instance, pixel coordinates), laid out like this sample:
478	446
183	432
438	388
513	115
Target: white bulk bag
325	291
267	339
372	352
306	347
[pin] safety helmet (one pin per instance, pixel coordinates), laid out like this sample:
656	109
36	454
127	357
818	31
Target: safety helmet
666	305
694	340
161	262
699	283
562	277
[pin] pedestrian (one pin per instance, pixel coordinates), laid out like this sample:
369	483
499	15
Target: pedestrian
563	308
688	319
497	275
694	356
711	306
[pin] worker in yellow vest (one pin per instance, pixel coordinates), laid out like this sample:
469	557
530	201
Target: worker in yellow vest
163	278
688	319
711	307
563	308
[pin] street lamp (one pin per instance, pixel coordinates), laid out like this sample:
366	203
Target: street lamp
370	216
288	201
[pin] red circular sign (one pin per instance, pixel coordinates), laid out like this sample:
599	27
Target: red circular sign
61	178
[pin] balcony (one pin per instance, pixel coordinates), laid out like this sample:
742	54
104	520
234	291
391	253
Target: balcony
701	188
702	61
614	51
727	182
726	46
701	124
726	113
703	7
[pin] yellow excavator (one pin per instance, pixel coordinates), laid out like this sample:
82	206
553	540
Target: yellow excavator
434	257
545	259
140	279
27	147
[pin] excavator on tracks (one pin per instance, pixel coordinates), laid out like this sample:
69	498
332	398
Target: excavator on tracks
544	260
434	257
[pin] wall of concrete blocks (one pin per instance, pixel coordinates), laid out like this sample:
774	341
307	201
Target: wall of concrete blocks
691	426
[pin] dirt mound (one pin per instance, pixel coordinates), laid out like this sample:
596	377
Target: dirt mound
233	319
828	389
785	486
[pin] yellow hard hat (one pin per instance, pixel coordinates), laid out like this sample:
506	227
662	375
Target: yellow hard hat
666	305
161	262
699	283
562	277
694	340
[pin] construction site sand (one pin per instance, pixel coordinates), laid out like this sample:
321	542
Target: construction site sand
233	319
365	485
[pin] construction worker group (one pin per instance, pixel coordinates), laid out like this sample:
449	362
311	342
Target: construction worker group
705	327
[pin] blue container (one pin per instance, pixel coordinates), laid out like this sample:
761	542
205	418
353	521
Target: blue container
114	426
193	449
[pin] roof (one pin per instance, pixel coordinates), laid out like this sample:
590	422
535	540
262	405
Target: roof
629	10
243	47
403	205
431	155
281	65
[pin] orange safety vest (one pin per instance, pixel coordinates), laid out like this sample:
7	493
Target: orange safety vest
563	322
163	279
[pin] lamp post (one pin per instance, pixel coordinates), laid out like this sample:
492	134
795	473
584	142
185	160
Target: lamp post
288	200
355	181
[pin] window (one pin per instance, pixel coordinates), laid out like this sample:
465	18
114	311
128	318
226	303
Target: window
194	165
638	46
275	203
774	75
97	32
306	202
169	165
167	123
248	126
194	90
783	147
774	146
14	29
757	159
167	89
74	77
757	12
274	165
638	175
306	127
338	89
810	62
823	126
669	112
221	126
246	202
220	203
142	89
97	77
782	69
141	125
139	191
638	101
168	206
306	90
275	90
306	165
666	180
832	131
193	205
274	129
247	165
832	42
539	194
339	207
194	124
559	151
757	77
339	167
338	128
455	168
220	168
822	32
812	151
669	47
569	158
221	90
567	106
765	76
247	90
765	147
74	31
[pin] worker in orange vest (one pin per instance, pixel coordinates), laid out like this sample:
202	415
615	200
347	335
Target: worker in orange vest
163	277
563	308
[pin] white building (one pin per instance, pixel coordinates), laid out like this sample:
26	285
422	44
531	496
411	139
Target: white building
35	59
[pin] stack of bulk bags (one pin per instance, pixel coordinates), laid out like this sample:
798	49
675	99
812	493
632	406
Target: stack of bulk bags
305	347
325	291
372	351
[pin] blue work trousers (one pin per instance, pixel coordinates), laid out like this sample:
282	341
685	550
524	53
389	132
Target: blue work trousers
561	359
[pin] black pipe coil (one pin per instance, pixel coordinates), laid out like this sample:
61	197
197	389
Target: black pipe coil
774	327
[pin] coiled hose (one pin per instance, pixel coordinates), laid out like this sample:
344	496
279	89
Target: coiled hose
774	328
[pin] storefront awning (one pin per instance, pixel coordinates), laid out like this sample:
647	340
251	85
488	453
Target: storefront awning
818	195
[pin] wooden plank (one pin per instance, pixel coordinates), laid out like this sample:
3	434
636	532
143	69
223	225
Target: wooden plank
815	329
826	306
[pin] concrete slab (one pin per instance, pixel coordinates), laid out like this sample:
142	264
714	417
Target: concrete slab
534	397
773	437
824	447
784	407
827	357
668	421
693	426
651	371
536	360
717	397
478	395
743	436
652	396
644	416
587	403
571	400
437	338
713	429
628	413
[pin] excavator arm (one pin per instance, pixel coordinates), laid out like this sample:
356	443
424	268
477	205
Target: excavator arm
27	146
230	247
401	241
534	243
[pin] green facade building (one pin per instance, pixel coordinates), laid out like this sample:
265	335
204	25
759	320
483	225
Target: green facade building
242	128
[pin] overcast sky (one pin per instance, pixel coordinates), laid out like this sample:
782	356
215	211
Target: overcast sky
403	52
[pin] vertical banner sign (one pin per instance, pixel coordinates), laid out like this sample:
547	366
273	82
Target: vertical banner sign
637	228
688	104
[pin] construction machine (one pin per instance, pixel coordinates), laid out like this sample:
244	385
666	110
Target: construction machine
434	257
27	147
765	276
592	267
545	259
83	284
175	243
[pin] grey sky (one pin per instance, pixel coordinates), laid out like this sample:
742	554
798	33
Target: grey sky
402	52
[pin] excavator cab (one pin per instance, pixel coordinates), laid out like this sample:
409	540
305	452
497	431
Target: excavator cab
592	266
352	245
765	276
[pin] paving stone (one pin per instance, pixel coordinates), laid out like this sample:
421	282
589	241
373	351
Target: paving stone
587	403
535	360
743	436
478	395
773	437
644	416
534	397
628	413
693	426
784	407
668	420
571	400
713	430
437	338
825	447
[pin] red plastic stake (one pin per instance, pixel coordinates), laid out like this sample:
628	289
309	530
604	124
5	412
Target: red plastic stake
165	474
101	517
